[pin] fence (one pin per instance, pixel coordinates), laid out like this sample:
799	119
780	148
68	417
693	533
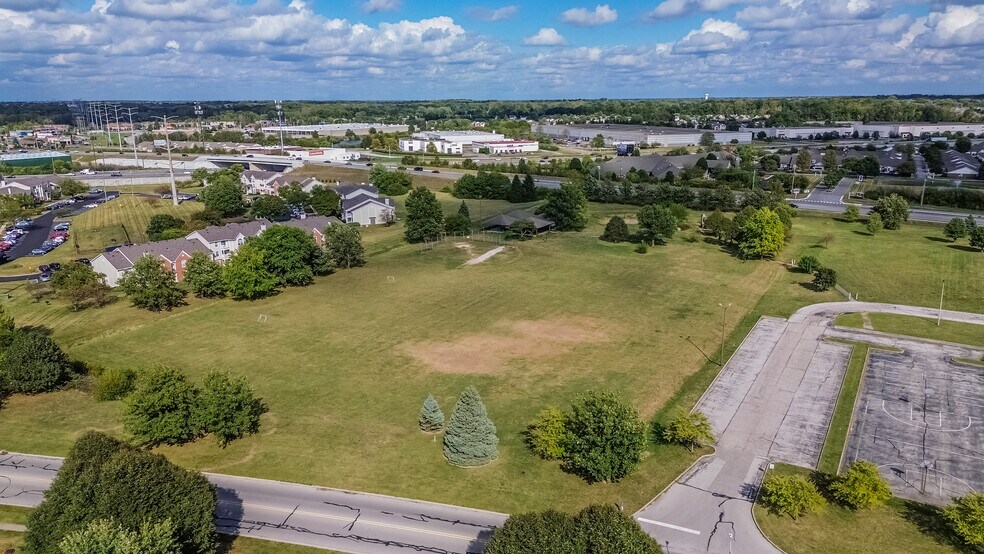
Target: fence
476	236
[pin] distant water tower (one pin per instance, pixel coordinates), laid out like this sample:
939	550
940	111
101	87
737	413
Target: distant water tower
706	96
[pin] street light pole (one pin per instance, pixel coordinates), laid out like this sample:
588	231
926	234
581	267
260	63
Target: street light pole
133	136
280	124
201	131
170	161
939	316
724	323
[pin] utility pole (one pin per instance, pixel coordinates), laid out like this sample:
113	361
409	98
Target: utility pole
724	323
201	131
119	134
133	135
280	124
170	161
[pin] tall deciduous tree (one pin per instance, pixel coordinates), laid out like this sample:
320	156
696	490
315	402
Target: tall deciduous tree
162	408
605	438
227	407
803	159
955	229
790	495
105	479
762	234
204	276
81	286
106	536
596	529
325	201
829	159
150	286
893	209
567	207
470	439
824	278
425	218
343	246
431	417
657	223
268	206
32	363
289	253
224	194
159	223
245	275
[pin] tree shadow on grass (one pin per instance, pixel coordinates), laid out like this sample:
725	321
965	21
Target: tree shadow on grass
929	519
808	285
862	233
963	248
937	239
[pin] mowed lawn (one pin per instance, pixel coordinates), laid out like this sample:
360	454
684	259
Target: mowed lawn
345	364
110	224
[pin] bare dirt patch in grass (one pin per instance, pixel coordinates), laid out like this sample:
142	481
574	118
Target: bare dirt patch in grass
490	352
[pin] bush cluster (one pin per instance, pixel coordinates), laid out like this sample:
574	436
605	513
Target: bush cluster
597	528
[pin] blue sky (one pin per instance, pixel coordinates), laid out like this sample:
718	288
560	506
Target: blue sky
393	49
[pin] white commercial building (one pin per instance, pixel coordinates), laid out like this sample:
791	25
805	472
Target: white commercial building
440	146
464	137
506	146
333	129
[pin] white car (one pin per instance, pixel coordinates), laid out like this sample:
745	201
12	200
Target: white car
90	205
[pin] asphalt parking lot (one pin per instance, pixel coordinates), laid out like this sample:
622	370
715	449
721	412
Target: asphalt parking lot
920	419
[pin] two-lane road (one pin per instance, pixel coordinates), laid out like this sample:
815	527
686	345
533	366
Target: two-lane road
335	519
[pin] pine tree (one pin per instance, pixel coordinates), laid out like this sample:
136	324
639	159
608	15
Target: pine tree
529	188
463	210
470	439
431	416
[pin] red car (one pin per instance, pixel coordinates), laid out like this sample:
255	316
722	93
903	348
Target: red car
61	234
5	246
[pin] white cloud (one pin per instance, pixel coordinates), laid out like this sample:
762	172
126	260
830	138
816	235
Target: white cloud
676	8
173	46
375	71
497	14
582	17
547	36
956	26
855	63
375	6
714	35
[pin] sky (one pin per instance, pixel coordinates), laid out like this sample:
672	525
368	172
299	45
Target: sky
434	49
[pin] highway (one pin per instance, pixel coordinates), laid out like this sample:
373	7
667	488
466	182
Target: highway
334	519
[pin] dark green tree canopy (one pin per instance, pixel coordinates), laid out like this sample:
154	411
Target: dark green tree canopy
224	195
162	408
567	207
245	275
227	407
425	218
597	529
160	223
893	209
204	276
32	363
605	438
325	201
268	207
343	246
289	253
616	230
151	286
103	478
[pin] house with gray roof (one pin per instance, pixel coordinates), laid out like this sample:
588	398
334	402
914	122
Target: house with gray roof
223	240
28	185
174	254
501	222
658	165
314	225
361	204
958	164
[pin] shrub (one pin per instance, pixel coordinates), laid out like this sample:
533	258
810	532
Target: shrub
597	529
604	438
808	264
616	230
227	407
893	209
113	384
457	224
966	518
861	486
32	363
874	224
109	537
852	213
641	248
824	278
692	430
790	495
547	433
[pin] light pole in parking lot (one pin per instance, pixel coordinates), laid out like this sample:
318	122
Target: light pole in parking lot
280	123
170	161
724	323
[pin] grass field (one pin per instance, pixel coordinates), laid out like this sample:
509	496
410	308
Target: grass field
950	331
900	527
345	364
840	422
113	223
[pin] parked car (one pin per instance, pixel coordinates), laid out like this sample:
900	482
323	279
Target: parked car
116	174
45	277
44	268
23	223
96	191
368	164
90	205
38	252
85	261
55	266
435	171
418	168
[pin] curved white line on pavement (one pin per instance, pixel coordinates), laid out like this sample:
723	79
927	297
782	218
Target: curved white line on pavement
922	425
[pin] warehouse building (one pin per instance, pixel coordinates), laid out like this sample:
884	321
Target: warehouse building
39	158
641	134
447	142
333	129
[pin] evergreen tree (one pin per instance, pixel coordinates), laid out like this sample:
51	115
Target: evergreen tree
425	217
431	417
470	439
616	230
463	210
515	193
529	188
955	229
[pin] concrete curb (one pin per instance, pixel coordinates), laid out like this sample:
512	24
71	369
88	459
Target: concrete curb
755	502
721	370
673	482
854	409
